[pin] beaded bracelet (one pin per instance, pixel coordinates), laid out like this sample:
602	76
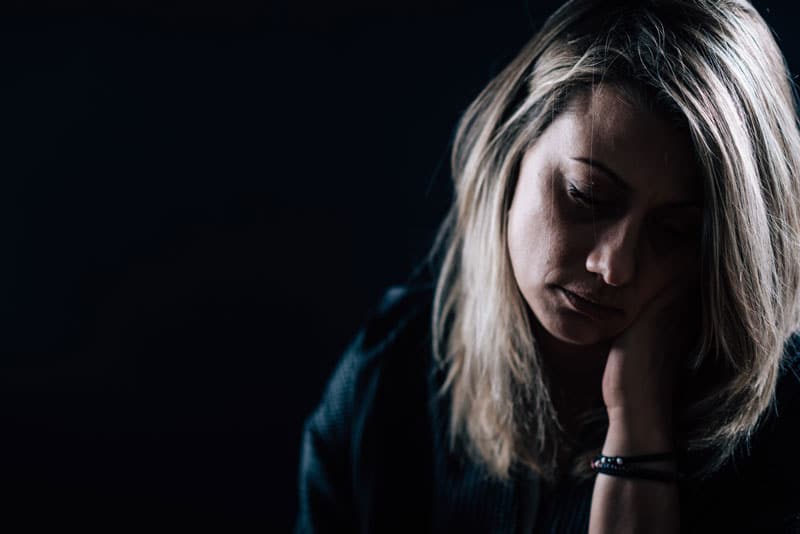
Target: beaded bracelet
619	466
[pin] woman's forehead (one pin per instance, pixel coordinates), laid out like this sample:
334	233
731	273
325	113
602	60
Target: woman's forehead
643	147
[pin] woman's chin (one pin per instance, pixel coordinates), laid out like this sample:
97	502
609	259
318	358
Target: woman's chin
574	331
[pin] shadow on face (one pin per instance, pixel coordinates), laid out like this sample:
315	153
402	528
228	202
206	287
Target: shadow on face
605	215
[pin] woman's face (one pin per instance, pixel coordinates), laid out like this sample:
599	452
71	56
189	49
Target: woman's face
606	213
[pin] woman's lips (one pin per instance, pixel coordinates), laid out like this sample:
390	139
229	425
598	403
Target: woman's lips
588	307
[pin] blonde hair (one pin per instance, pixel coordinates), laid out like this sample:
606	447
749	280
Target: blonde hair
715	66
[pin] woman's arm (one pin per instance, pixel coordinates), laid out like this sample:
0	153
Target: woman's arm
324	482
638	383
342	461
622	505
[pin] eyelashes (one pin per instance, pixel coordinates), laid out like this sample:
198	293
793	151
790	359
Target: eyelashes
587	199
660	229
580	197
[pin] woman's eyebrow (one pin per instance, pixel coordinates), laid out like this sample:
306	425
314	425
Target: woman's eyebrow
611	174
680	204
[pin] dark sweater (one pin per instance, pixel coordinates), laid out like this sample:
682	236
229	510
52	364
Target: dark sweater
375	455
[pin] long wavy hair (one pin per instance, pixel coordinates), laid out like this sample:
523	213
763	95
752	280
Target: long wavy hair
714	66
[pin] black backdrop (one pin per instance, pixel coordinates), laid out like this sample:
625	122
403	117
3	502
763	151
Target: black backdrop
200	204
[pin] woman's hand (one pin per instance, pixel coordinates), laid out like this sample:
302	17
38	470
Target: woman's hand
638	383
639	375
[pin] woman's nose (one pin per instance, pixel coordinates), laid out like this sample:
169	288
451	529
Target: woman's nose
613	255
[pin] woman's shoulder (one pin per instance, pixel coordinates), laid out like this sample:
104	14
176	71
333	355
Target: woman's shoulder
402	312
397	327
759	489
395	330
788	389
778	436
365	442
777	439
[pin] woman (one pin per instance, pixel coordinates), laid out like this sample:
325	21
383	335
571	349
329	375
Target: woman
608	342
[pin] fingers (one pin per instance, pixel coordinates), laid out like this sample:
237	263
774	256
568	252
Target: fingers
680	295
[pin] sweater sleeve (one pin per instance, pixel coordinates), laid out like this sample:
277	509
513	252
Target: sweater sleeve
330	442
325	485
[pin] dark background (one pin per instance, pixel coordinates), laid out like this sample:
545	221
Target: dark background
200	204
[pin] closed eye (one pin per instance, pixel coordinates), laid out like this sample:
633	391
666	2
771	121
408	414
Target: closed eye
679	231
589	200
579	196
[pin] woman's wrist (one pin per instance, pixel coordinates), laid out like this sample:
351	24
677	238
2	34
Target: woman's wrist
628	436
